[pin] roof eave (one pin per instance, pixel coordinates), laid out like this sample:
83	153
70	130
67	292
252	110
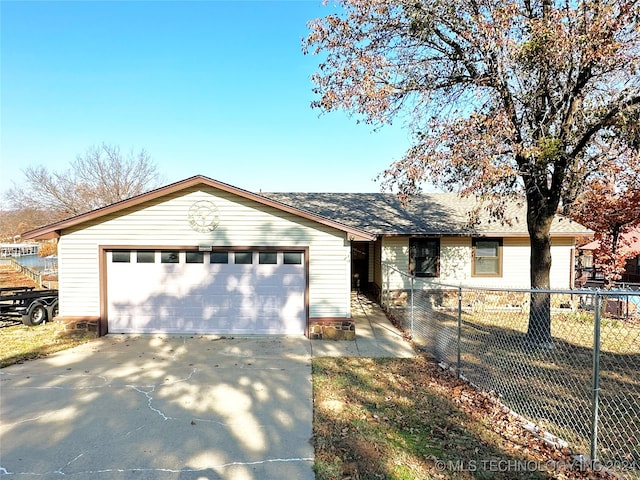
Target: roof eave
36	235
479	234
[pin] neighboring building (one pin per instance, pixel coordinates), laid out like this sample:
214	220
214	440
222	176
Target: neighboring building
201	256
18	249
590	276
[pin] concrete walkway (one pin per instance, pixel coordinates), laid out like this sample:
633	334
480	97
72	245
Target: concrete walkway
375	335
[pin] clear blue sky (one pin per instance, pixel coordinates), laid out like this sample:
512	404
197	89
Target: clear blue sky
219	88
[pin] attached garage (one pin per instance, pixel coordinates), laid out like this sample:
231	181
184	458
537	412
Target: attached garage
224	291
202	256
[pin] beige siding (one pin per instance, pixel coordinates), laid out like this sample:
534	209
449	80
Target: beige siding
456	258
395	251
456	263
516	255
562	270
241	223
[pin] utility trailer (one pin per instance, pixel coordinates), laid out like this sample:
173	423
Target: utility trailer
31	307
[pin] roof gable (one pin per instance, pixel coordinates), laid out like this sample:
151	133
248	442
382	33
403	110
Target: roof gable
53	230
629	242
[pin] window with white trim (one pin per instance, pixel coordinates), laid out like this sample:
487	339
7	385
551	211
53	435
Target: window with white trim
169	256
292	258
219	257
194	257
267	258
121	257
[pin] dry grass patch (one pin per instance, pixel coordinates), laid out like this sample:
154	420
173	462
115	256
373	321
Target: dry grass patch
10	277
551	387
409	419
21	343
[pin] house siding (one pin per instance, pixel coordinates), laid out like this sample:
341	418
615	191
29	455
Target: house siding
242	222
562	266
395	251
456	262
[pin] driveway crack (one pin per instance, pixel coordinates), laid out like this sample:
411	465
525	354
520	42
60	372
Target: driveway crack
148	390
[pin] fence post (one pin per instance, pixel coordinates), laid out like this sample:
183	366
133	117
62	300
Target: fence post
596	379
459	347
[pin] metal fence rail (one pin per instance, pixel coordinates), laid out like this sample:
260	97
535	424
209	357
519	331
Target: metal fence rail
584	388
26	271
42	279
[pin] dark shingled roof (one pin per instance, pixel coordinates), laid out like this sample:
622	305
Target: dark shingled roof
426	214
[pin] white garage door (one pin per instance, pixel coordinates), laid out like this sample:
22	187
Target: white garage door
223	292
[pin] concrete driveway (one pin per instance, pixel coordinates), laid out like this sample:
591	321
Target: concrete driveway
156	407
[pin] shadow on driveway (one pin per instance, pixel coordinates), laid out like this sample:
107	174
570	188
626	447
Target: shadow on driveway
161	407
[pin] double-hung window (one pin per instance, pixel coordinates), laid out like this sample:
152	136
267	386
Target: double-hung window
487	257
424	257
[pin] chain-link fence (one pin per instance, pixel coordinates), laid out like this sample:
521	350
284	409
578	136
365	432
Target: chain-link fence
568	361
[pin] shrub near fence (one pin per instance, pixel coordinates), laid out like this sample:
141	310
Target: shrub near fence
585	390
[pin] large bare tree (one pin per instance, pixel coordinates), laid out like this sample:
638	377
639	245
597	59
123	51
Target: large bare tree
101	176
506	99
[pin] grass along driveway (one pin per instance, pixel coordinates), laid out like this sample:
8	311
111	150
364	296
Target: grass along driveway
19	343
554	388
407	419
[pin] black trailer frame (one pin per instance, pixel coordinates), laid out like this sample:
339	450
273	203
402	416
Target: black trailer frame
30	306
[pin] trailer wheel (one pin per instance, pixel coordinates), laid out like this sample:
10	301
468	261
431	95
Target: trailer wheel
52	311
36	315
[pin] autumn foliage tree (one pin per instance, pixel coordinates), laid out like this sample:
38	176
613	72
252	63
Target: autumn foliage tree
521	99
611	208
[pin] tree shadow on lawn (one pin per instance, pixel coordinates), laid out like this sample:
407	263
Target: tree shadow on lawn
551	387
408	418
554	387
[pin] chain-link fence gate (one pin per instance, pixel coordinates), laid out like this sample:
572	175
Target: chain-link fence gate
583	387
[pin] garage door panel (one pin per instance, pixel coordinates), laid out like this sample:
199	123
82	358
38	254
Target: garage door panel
206	298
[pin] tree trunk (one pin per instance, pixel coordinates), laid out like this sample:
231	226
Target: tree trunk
539	224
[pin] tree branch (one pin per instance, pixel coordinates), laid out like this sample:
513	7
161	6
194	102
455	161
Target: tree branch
605	120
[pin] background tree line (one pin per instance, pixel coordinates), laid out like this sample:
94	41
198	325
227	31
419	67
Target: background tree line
101	176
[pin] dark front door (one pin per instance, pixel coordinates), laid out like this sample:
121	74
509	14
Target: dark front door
359	265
